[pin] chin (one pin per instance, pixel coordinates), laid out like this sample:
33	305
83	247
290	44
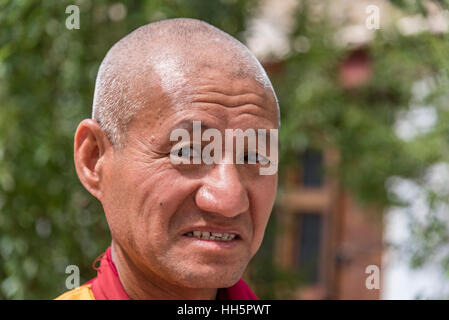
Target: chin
211	276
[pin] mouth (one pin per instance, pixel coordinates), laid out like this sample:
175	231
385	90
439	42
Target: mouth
213	236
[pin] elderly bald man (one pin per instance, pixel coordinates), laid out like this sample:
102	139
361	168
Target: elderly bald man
179	231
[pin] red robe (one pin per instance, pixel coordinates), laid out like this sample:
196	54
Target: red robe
107	286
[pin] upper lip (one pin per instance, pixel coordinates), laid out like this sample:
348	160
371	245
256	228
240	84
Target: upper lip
216	229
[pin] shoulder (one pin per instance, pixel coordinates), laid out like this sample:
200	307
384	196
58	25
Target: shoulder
81	293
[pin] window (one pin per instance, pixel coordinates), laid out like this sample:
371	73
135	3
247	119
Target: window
307	258
312	168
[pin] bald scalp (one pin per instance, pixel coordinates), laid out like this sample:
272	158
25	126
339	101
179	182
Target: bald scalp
162	55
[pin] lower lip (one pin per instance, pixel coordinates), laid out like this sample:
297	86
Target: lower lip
212	244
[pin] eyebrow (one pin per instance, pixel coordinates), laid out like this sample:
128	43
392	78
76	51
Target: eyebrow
188	125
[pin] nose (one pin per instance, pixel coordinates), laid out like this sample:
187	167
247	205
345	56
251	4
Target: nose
223	192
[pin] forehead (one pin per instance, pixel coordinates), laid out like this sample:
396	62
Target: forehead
227	81
216	97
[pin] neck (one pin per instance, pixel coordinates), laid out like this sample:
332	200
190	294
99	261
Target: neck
140	285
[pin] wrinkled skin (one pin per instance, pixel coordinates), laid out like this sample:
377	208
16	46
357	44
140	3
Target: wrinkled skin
149	202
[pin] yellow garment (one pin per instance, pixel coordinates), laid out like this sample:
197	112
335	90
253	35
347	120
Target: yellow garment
80	293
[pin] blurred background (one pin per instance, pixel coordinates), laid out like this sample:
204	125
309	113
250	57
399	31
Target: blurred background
364	176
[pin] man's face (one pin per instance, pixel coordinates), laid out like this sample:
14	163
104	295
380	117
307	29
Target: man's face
152	204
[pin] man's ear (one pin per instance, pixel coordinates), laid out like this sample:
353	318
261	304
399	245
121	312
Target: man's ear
90	146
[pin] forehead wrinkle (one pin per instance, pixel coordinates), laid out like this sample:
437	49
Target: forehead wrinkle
238	91
266	124
246	101
238	83
184	119
228	100
227	114
235	107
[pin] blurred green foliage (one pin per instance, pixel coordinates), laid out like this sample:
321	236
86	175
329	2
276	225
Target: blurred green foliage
47	76
408	72
318	112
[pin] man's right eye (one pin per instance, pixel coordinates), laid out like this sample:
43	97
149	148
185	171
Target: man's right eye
186	154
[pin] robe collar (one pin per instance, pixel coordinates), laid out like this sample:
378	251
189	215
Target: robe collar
107	286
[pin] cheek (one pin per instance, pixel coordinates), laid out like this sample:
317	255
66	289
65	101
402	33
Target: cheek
119	201
263	196
141	199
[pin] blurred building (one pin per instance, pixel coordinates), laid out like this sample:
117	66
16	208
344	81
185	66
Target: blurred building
323	234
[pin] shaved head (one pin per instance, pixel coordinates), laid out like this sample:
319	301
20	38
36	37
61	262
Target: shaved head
162	57
180	230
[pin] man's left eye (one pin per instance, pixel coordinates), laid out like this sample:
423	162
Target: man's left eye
254	157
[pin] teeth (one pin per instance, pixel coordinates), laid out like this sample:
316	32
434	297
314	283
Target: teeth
215	236
205	235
